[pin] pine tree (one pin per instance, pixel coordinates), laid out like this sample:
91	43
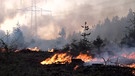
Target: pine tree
84	43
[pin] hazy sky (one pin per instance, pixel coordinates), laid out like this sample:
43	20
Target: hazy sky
68	14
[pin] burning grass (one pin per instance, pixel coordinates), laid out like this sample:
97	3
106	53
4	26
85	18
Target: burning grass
131	65
129	55
84	57
61	63
58	58
63	58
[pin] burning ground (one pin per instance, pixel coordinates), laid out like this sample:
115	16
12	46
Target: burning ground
61	63
65	28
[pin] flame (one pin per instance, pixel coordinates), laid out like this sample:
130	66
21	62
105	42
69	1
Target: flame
52	50
36	49
132	65
129	56
58	58
84	57
76	67
62	58
16	51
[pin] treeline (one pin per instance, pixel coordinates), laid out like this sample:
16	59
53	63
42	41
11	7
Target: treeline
11	41
119	31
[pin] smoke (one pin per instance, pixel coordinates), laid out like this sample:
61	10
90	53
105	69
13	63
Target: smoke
113	29
70	14
113	54
89	10
8	10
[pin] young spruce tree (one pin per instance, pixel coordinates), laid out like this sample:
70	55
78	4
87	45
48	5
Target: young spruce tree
85	44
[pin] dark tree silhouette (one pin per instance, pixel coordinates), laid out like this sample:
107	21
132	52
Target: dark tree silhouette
84	43
4	45
13	41
98	43
129	38
18	39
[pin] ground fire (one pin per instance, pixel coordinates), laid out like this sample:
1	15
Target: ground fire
63	58
129	55
68	63
66	58
58	58
84	57
131	59
36	49
131	65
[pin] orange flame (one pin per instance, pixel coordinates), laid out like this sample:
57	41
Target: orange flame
84	57
58	58
129	56
132	65
36	49
62	58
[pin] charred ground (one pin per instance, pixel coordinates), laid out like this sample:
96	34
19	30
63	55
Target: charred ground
28	64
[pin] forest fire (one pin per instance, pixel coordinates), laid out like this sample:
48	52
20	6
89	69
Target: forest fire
84	57
63	58
52	50
132	65
58	58
129	56
36	49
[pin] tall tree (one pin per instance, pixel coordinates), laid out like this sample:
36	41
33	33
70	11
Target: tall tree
84	43
17	38
61	41
62	33
129	38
